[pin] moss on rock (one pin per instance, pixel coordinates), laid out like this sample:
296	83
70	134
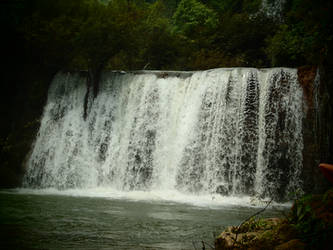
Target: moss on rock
309	225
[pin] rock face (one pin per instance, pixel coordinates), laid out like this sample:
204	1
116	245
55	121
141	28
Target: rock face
317	131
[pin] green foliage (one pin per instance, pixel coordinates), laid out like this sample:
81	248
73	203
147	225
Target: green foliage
306	35
179	34
312	217
193	18
254	224
159	45
251	6
234	6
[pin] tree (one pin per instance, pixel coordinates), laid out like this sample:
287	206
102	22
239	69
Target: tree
160	48
194	19
306	35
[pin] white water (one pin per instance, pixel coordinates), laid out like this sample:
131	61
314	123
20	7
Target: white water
273	9
231	131
170	197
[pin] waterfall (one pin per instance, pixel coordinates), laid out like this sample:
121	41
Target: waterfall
234	131
273	9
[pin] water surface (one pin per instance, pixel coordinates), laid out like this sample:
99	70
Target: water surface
55	221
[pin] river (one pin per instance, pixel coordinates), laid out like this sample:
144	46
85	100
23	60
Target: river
50	219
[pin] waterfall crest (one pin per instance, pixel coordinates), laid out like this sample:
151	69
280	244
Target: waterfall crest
231	131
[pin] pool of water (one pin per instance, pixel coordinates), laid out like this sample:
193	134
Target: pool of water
45	220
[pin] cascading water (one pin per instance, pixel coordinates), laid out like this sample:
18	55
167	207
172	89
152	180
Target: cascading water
230	131
273	9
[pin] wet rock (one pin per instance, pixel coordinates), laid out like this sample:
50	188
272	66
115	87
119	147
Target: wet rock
306	77
222	190
253	234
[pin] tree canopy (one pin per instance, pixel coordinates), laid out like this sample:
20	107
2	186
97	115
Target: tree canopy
177	34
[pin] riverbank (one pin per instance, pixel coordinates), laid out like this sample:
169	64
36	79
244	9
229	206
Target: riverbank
308	225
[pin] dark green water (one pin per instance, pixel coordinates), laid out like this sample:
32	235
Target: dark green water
30	221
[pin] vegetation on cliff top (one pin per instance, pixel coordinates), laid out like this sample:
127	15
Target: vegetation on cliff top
160	34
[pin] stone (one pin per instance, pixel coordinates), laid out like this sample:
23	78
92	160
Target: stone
222	190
